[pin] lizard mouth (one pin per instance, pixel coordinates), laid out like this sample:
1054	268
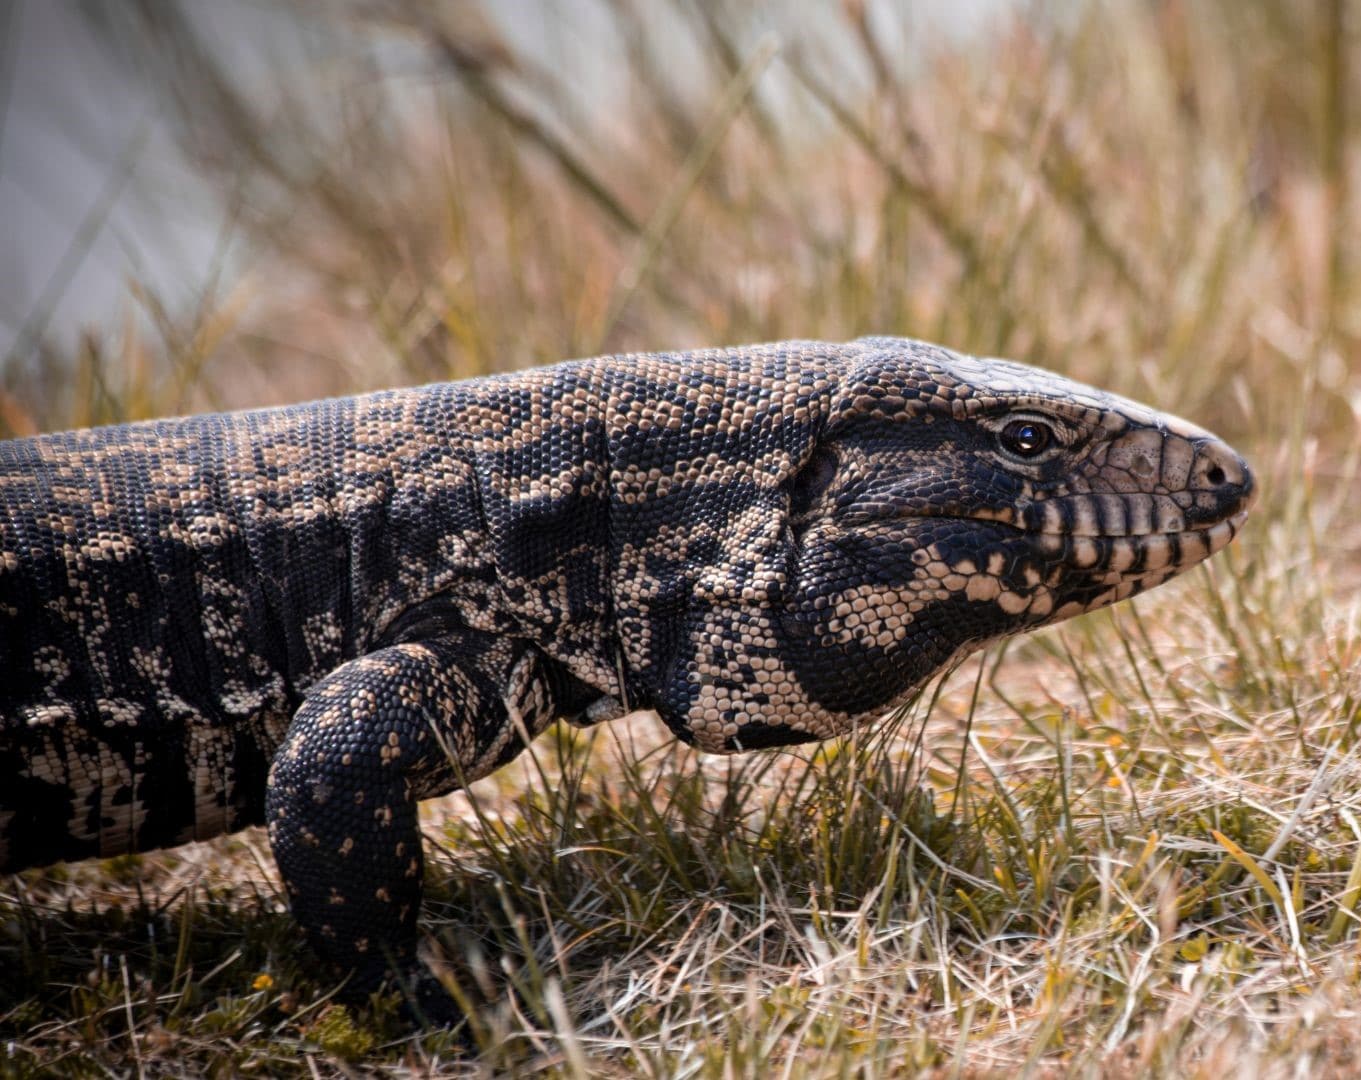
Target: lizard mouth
1071	574
1140	554
1115	568
1133	541
1099	546
1144	517
1141	514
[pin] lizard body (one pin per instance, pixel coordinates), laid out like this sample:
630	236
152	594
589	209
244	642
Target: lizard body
313	617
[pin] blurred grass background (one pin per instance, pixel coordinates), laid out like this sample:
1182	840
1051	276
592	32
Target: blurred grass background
1127	846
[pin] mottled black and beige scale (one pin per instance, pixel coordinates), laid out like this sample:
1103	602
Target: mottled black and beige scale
314	617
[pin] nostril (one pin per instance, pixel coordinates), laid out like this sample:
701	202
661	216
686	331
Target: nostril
1215	475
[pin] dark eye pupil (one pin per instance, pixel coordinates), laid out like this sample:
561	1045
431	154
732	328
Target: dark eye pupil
1025	437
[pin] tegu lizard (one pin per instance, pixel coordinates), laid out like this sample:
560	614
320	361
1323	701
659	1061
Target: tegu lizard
314	617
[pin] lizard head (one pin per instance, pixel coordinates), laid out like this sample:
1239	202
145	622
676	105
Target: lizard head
948	501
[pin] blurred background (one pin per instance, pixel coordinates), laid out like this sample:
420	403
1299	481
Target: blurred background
213	206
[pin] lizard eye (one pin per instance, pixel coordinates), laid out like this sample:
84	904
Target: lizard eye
1026	438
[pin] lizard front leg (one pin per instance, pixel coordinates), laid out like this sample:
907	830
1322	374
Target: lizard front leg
371	739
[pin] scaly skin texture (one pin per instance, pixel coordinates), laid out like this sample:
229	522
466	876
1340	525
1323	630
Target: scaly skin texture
314	617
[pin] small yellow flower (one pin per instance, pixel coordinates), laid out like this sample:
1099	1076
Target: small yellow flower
262	982
1113	781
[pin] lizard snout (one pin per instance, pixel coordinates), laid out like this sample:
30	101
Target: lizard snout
1220	472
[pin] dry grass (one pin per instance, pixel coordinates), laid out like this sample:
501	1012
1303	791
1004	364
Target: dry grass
1127	846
